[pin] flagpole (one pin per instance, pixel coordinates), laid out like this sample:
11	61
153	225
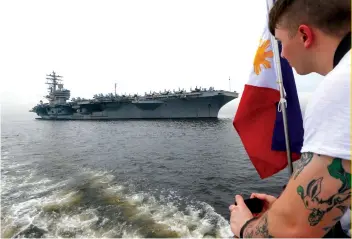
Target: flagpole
282	103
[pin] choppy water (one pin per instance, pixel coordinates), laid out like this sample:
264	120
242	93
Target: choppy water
167	178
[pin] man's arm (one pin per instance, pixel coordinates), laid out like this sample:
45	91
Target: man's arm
315	198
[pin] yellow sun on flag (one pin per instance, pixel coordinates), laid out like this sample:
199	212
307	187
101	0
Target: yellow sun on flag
261	55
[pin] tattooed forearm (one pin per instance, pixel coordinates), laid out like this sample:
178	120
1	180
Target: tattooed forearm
258	228
304	161
319	206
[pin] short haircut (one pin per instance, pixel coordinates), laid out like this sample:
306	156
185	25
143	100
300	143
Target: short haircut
330	16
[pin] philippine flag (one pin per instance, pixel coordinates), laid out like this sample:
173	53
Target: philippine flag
258	121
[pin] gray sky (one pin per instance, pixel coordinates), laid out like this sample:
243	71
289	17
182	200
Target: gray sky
140	45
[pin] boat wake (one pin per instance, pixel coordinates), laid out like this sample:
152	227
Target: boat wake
94	204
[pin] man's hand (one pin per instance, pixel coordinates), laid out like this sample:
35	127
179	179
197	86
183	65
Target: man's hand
268	201
240	214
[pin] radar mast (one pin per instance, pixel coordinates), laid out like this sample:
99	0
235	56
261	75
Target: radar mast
57	94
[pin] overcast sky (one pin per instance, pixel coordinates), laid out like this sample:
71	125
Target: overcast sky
141	45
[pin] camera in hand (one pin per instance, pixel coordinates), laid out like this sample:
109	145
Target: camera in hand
255	205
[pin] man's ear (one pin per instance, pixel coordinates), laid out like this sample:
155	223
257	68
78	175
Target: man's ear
306	35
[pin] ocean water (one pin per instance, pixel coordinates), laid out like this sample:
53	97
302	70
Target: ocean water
136	178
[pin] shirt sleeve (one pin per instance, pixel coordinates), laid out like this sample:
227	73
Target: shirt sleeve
327	124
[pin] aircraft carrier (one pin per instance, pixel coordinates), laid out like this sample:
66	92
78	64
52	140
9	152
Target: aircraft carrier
197	103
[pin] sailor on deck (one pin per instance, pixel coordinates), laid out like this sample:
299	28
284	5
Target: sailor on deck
315	37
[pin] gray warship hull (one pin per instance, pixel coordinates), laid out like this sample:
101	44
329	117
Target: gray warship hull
203	105
197	103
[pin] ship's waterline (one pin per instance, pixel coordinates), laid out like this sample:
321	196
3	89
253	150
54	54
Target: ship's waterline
198	103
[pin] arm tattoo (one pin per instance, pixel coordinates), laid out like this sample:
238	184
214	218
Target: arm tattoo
302	163
258	229
319	206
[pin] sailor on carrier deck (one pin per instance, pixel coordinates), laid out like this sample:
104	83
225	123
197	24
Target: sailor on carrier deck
315	37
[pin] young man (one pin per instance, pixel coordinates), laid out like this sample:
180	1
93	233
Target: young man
315	37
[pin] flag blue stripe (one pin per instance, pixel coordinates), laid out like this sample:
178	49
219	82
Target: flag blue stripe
294	114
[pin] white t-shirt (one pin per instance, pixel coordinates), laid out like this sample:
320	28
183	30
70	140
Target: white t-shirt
346	222
327	125
327	119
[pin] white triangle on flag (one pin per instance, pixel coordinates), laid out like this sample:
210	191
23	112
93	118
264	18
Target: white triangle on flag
263	73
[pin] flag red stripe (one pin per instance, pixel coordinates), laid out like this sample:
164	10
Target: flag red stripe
254	122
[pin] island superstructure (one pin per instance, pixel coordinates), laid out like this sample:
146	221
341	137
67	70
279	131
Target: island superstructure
197	103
